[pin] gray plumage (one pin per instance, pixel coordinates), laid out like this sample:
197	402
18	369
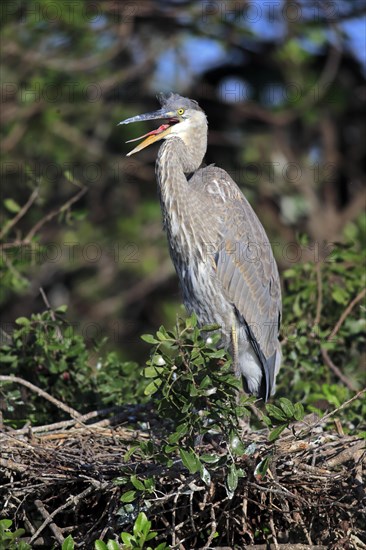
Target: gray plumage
220	250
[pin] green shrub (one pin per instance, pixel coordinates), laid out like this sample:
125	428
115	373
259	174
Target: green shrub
324	326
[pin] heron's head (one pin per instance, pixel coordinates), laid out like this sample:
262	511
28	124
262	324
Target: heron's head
181	117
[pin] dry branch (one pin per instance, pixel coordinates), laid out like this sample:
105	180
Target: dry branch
17	380
346	312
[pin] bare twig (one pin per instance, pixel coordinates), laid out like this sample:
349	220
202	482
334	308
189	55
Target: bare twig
328	361
285	547
272	527
54	528
17	380
73	500
47	303
20	214
67	423
27	240
15	244
52	313
346	312
11	465
53	214
339	374
88	63
332	413
213	527
349	453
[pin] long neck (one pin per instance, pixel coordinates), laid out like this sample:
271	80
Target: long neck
171	165
176	194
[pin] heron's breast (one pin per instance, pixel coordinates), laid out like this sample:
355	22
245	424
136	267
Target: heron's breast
203	294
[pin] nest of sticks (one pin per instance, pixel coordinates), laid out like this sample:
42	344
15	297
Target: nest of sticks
61	478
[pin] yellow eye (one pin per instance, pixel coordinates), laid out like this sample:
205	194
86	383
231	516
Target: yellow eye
180	111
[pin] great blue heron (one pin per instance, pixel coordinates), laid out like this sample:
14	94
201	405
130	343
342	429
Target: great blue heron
219	248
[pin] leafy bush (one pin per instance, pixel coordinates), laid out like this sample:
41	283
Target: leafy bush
194	383
324	328
137	540
142	534
48	352
9	539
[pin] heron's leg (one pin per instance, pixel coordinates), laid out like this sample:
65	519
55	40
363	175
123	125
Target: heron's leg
234	349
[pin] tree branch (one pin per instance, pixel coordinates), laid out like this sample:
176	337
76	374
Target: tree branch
336	370
20	214
59	404
346	312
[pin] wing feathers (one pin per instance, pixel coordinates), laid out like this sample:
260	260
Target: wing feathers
248	273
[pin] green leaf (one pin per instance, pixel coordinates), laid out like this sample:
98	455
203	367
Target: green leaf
340	295
250	450
8	358
169	449
61	309
69	176
129	496
158	360
205	475
162	335
267	421
23	321
276	412
276	432
113	545
219	354
127	539
299	411
5	523
232	478
179	433
287	407
130	452
100	545
137	483
209	328
190	460
193	391
236	445
11	205
151	535
206	382
191	322
153	387
149	484
261	468
153	372
68	543
18	533
142	524
149	338
209	459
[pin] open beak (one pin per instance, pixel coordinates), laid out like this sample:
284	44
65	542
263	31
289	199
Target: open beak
154	135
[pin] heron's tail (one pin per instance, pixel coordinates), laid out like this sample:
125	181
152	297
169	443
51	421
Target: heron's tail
258	372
